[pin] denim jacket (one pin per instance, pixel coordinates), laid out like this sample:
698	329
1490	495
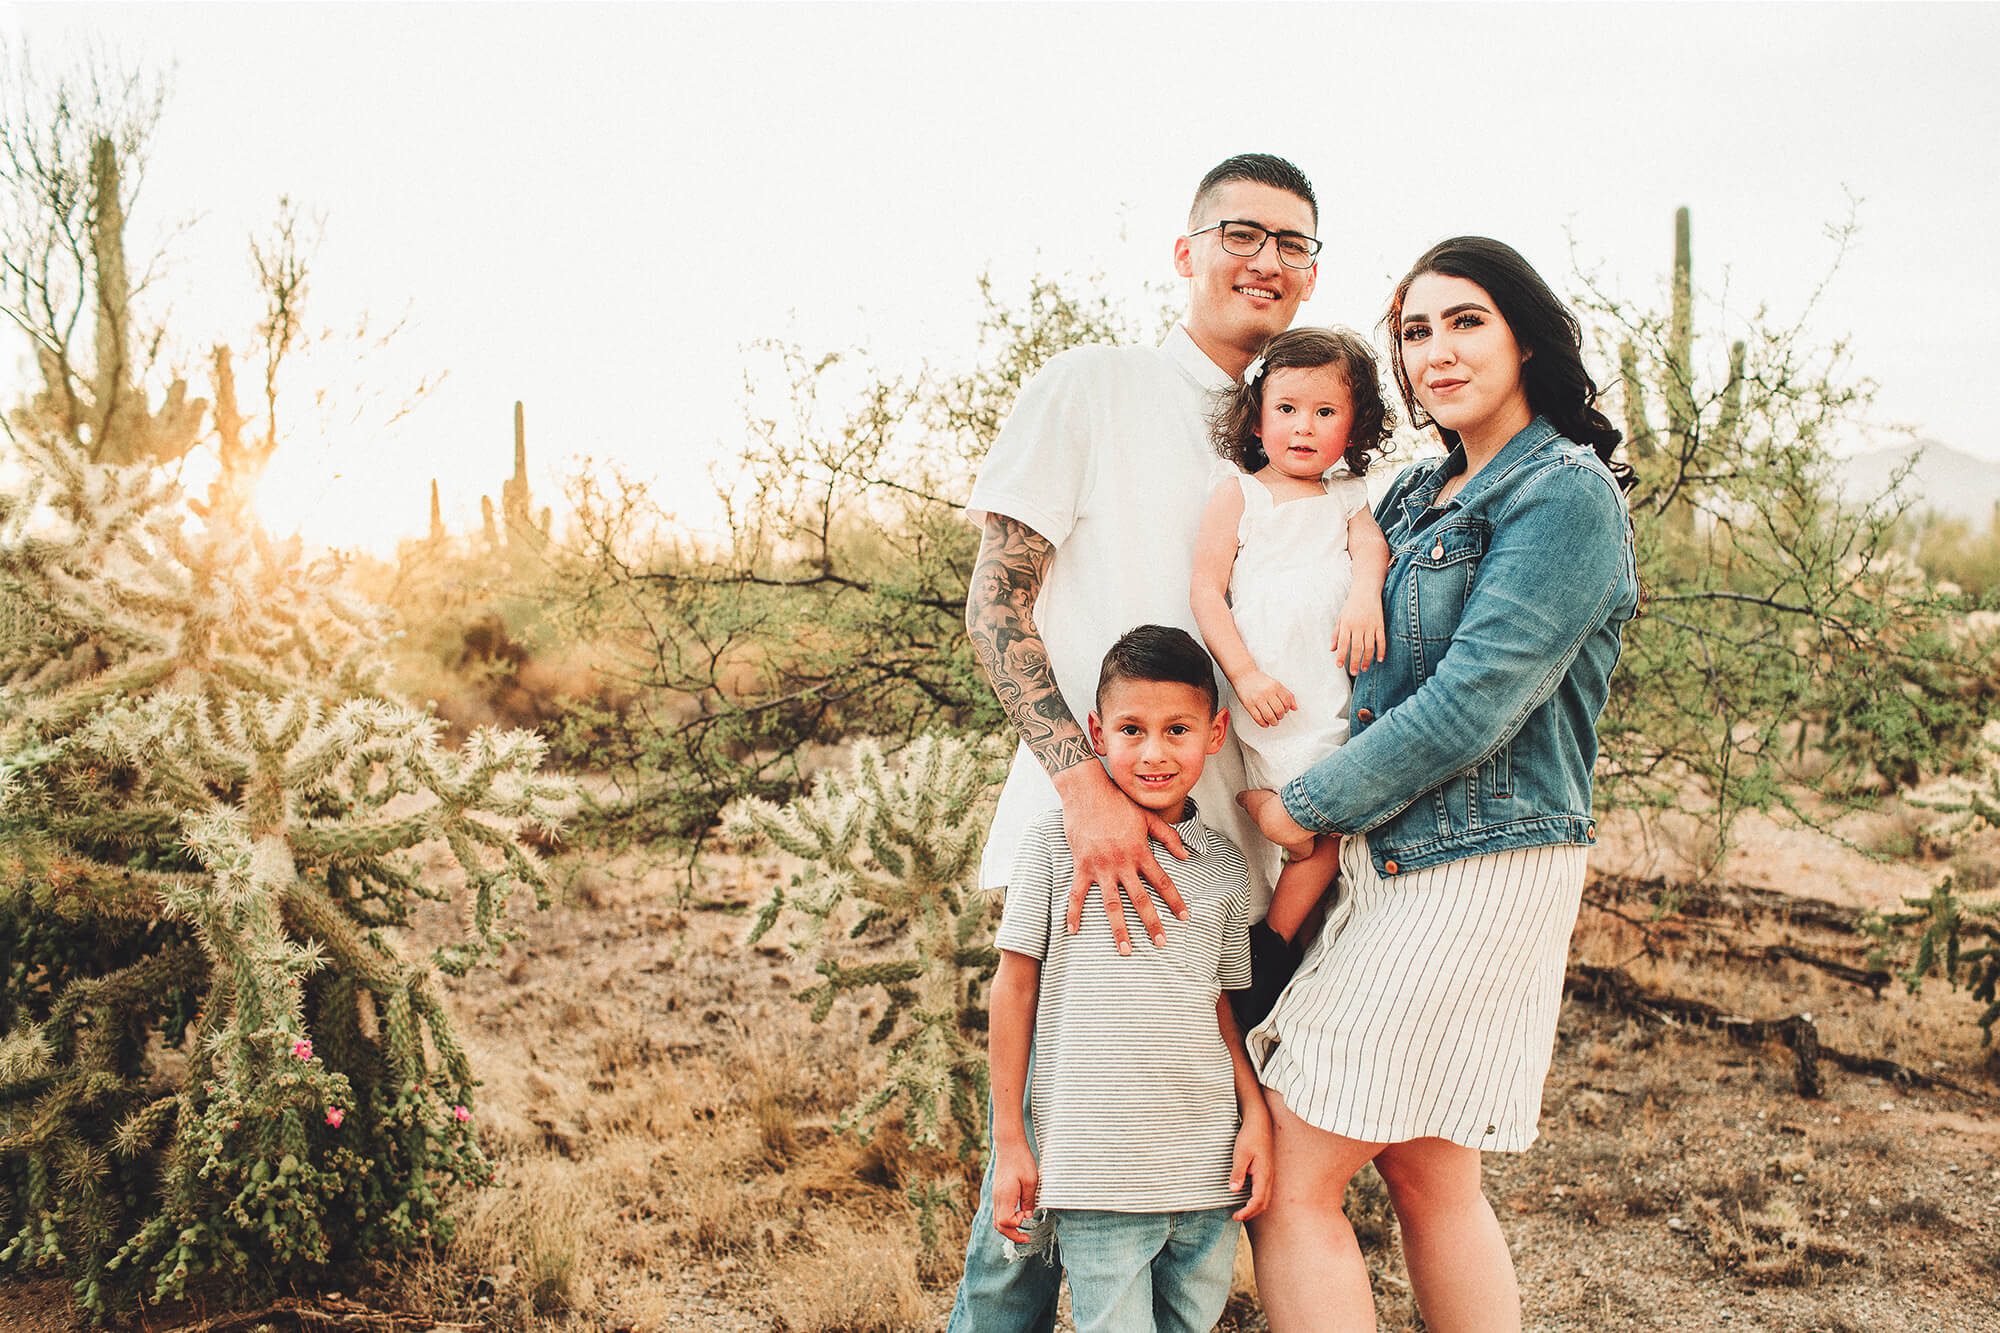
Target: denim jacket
1478	731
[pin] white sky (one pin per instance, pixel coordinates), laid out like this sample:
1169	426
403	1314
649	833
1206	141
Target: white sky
539	187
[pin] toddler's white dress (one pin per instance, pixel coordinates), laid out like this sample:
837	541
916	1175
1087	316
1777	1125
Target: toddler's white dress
1291	578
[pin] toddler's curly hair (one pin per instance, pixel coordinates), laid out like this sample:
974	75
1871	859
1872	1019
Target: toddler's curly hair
1239	409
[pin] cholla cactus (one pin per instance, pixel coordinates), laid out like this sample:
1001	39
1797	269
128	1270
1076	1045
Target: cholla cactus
889	852
1951	933
1945	933
215	1055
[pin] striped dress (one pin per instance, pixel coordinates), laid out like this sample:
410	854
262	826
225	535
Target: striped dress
1427	1006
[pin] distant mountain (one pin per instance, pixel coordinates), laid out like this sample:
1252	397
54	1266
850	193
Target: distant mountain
1944	480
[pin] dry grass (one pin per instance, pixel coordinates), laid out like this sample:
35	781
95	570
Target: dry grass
661	1111
866	1283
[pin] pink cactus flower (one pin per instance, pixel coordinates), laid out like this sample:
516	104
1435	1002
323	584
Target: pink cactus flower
460	1114
303	1049
334	1115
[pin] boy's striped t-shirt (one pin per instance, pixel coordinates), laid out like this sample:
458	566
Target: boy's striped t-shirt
1133	1104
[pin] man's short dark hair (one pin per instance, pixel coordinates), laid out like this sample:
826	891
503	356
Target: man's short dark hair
1264	169
1159	652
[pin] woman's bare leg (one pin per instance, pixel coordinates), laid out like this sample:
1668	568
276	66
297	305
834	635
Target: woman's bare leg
1310	1274
1460	1270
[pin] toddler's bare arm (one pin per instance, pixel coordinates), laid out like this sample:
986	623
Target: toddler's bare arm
1265	699
1360	639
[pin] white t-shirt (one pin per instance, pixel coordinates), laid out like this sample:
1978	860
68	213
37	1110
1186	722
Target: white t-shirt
1145	1123
1106	454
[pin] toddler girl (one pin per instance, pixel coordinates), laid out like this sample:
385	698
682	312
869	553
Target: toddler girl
1289	565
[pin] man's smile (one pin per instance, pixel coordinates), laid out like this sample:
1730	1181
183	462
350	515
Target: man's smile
1262	293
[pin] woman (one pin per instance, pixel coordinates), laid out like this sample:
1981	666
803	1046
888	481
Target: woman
1419	1028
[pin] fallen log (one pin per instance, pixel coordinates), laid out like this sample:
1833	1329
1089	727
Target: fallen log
1707	900
1873	979
1672	927
1614	988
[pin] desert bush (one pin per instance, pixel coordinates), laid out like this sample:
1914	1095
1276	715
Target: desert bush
1947	549
1784	645
472	641
832	606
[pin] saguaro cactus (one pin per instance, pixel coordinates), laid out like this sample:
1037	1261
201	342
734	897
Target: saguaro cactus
100	408
890	850
513	523
438	534
1691	446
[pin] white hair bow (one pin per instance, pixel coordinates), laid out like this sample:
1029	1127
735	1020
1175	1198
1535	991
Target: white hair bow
1253	370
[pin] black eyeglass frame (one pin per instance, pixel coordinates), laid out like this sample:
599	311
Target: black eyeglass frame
1265	236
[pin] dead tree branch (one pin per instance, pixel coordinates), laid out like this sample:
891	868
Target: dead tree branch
1614	988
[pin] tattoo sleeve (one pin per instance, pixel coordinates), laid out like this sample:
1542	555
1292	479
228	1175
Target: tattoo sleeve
1000	619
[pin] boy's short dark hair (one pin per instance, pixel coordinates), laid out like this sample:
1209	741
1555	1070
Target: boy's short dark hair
1159	652
1262	168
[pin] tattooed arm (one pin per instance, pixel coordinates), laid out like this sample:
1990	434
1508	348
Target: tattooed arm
1107	832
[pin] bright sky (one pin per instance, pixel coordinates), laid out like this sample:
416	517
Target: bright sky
599	210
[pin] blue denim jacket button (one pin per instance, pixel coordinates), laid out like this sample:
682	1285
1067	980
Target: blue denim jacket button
1364	715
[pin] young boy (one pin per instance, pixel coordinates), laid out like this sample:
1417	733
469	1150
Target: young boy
1147	1118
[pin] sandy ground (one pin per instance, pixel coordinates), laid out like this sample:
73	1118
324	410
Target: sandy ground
663	1115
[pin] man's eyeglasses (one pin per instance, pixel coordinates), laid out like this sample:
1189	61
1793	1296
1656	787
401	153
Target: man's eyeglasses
1246	240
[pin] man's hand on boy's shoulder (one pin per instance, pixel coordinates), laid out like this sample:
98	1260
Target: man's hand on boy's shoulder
1107	837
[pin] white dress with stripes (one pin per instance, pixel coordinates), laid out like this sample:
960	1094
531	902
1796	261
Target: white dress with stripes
1427	1006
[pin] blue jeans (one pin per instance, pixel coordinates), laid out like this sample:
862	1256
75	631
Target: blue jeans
999	1294
1140	1272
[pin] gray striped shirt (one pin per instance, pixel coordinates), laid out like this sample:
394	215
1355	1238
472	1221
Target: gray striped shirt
1134	1097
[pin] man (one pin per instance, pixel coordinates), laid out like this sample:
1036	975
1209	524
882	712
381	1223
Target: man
1088	505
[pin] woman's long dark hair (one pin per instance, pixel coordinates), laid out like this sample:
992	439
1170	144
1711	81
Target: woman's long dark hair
1558	386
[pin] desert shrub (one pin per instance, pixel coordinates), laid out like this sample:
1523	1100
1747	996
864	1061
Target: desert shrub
833	606
473	641
1948	549
1785	644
